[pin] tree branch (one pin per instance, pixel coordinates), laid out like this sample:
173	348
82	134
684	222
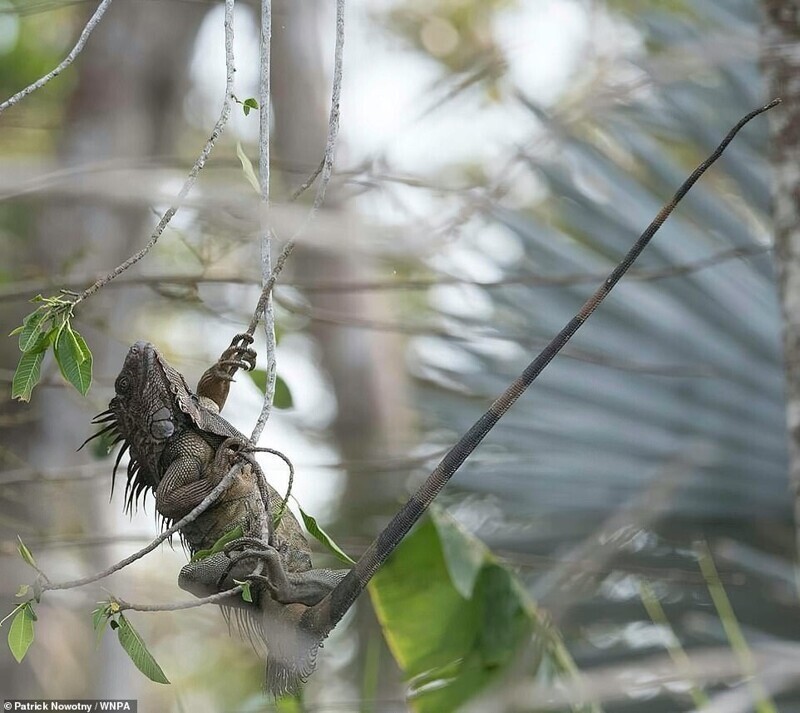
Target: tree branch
196	168
68	60
25	288
266	229
325	177
218	598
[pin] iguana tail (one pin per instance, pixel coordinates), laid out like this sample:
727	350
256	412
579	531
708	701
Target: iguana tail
324	615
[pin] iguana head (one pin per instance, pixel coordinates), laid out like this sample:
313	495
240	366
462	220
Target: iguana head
151	404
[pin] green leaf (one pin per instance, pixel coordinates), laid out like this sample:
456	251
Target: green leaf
451	646
247	167
249	104
74	359
27	375
219	545
247	594
316	531
259	377
98	616
283	397
25	553
292	704
464	556
20	635
32	328
135	648
100	620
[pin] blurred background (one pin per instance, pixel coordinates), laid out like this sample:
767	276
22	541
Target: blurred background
496	158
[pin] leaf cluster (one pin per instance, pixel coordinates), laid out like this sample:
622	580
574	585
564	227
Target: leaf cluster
49	327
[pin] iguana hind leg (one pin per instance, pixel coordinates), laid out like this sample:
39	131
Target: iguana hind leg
222	570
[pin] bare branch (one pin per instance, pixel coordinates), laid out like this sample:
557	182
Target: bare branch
266	230
68	60
218	598
196	168
325	177
302	188
26	288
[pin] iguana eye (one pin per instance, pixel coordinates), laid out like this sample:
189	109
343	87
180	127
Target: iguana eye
122	385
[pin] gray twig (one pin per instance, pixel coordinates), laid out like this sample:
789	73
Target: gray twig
68	60
24	288
266	229
217	598
196	168
325	177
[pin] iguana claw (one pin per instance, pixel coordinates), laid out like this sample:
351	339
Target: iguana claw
266	553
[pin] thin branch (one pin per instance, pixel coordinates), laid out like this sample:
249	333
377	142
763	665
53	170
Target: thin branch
472	334
196	168
207	502
68	60
266	230
278	514
325	177
25	288
217	598
537	279
302	188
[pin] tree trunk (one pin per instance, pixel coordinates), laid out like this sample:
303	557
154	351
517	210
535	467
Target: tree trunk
781	64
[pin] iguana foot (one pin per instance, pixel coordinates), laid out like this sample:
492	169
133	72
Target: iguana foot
284	586
239	355
244	548
215	382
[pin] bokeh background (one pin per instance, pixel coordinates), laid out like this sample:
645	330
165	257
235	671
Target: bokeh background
496	158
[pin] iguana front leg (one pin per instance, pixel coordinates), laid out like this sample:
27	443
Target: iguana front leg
186	481
215	383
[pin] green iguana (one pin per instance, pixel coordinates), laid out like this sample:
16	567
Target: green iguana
180	449
175	438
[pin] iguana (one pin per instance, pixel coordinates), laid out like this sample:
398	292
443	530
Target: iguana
180	448
301	606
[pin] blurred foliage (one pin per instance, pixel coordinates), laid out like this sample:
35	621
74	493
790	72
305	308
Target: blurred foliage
663	365
457	35
31	44
458	628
